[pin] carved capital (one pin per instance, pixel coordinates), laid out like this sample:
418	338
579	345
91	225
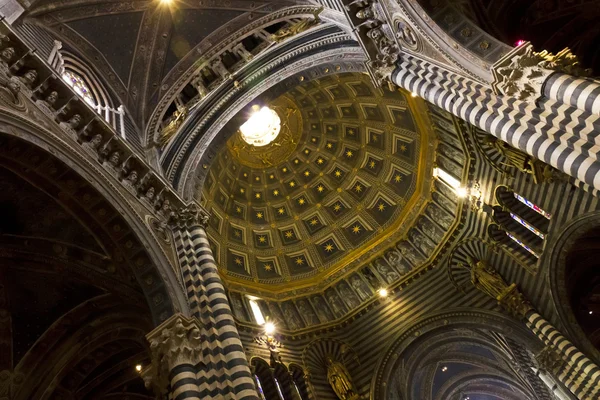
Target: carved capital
515	302
522	72
190	216
175	342
549	360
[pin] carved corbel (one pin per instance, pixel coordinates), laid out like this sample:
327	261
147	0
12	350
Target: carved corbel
522	72
177	341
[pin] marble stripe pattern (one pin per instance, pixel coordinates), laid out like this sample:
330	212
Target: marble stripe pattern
580	375
223	372
523	125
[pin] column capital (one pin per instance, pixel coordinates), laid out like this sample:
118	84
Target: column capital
193	214
549	360
177	341
522	72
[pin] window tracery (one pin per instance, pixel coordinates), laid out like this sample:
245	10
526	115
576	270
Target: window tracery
79	86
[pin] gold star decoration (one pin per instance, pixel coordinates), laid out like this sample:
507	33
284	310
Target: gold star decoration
262	239
245	175
238	261
320	161
381	207
284	169
292	183
237	234
281	211
337	173
314	221
337	207
301	201
403	148
257	179
356	229
275	192
259	215
296	161
372	164
268	267
349	153
351	132
299	261
320	188
358	188
271	176
374	138
398	178
257	195
242	191
289	234
306	151
238	210
314	140
329	145
307	173
328	247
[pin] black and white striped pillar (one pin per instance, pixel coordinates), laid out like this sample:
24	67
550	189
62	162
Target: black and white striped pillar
223	371
557	134
580	375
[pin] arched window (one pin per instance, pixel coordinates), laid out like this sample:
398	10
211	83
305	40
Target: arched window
79	86
521	225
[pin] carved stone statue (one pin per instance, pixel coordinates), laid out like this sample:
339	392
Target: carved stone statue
29	78
72	124
131	180
360	287
297	28
309	316
6	56
486	279
113	161
409	252
386	272
149	195
94	144
173	125
219	68
322	308
335	303
47	105
339	380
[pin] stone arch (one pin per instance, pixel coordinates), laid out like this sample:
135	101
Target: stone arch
164	294
440	323
556	259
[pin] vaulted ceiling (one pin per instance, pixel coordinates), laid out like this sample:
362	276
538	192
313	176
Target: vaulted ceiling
338	180
138	44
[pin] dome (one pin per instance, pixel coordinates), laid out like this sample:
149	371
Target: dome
337	184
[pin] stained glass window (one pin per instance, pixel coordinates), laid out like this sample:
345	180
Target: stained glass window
523	245
532	206
79	86
260	389
526	225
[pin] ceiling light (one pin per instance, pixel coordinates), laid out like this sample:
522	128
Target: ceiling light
382	292
519	42
138	367
591	312
444	368
461	192
269	328
262	127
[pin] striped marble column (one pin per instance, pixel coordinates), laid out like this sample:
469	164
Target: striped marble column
224	372
523	125
581	93
580	375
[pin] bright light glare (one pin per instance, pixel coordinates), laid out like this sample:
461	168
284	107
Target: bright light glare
447	178
138	367
519	42
461	192
258	316
261	128
382	292
413	94
269	328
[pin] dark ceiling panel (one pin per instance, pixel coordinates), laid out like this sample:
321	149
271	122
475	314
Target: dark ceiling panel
115	36
190	27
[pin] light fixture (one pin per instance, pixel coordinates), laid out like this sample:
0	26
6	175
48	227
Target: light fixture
444	368
269	328
138	367
413	94
461	192
262	127
382	292
591	312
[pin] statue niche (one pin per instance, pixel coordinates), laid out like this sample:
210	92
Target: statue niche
339	379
